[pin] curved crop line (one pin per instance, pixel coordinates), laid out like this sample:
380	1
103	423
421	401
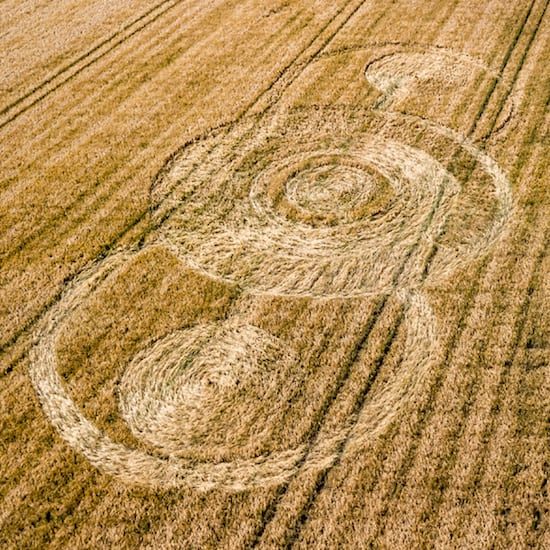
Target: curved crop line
295	236
132	465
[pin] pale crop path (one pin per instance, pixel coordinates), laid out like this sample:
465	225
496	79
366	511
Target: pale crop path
333	209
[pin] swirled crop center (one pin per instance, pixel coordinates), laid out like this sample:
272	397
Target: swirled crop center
197	392
333	219
324	189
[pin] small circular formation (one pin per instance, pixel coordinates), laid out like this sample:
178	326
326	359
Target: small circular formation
396	73
327	191
197	391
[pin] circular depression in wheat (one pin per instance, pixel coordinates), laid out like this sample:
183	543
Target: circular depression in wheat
323	189
198	392
326	189
331	219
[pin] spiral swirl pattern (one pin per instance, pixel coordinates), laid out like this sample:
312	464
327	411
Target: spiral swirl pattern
326	204
196	392
345	214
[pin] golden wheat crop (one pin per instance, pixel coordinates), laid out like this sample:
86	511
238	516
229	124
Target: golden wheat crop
276	275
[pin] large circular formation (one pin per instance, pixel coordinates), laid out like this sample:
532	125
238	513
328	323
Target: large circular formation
199	395
330	203
345	211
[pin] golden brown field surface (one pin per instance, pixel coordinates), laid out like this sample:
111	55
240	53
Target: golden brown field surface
274	274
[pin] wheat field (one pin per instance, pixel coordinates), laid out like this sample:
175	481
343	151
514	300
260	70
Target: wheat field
274	274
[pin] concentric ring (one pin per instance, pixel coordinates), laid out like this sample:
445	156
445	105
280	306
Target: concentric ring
343	212
323	189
